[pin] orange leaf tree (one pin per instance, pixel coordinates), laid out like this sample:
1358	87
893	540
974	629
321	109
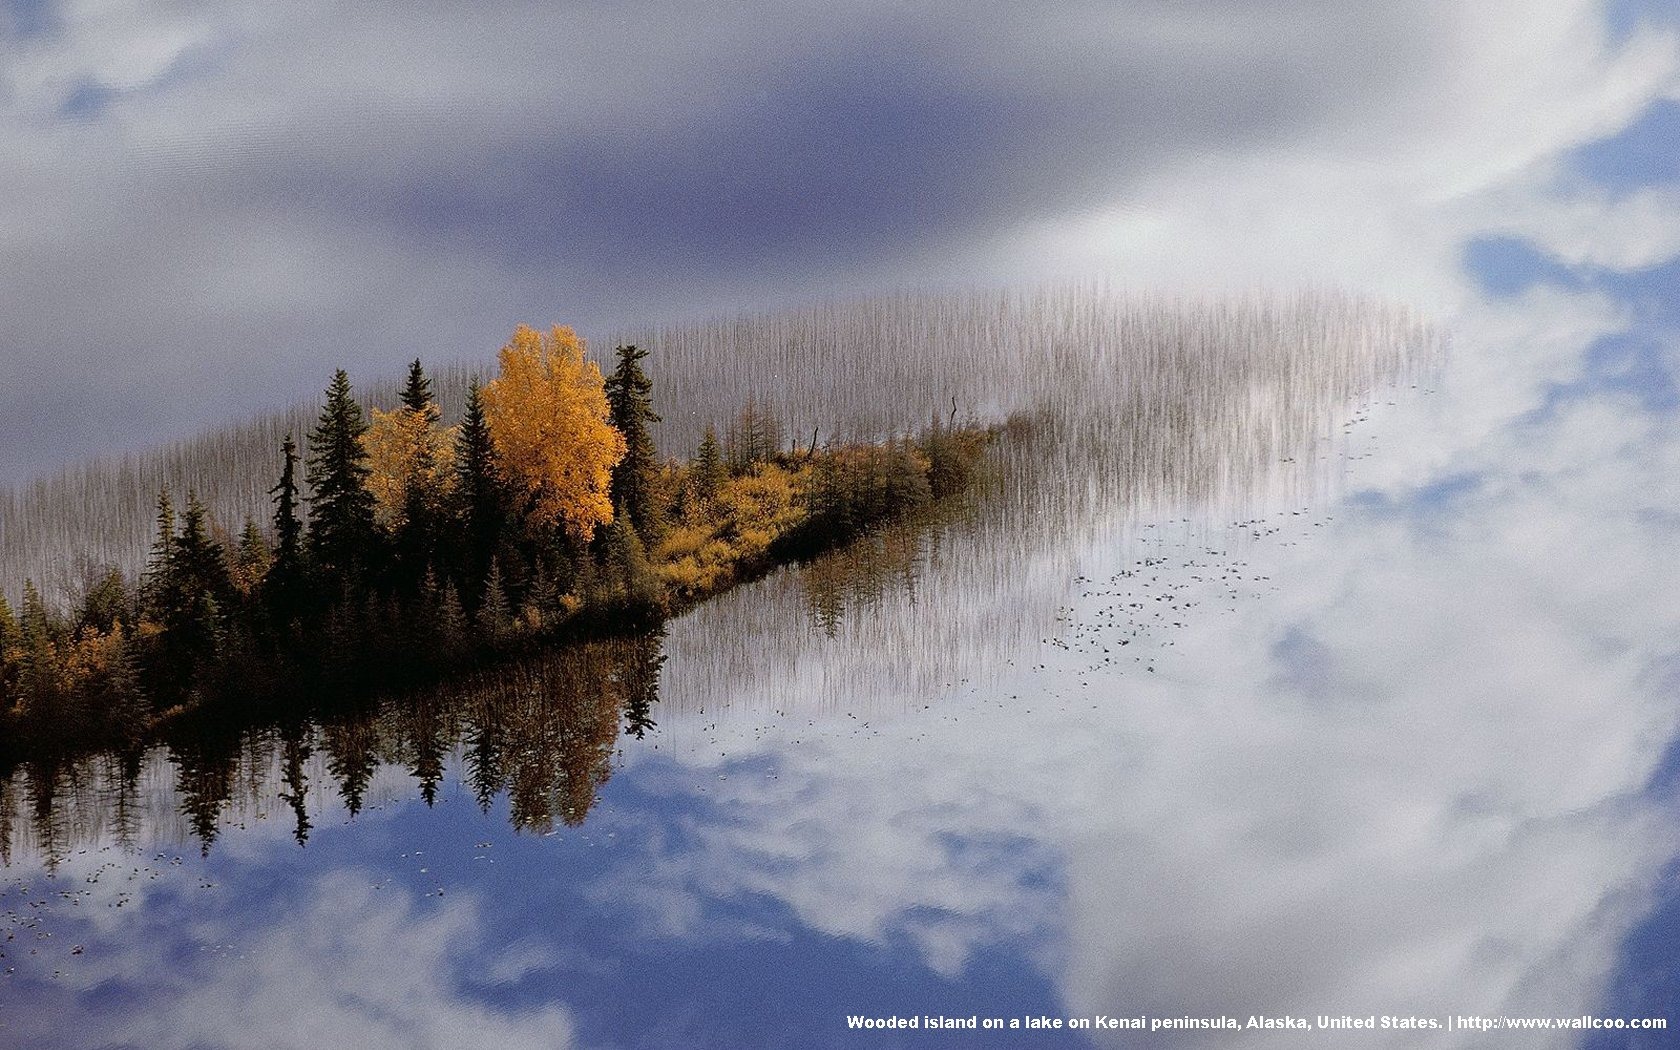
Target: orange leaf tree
406	448
547	411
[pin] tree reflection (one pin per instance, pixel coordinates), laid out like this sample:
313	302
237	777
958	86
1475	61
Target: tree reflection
295	751
205	768
545	732
542	732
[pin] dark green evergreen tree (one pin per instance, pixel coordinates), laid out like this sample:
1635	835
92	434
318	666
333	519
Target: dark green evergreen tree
37	673
251	556
199	571
495	613
342	540
104	601
416	537
628	578
708	473
11	650
480	496
284	586
417	390
635	478
453	628
157	585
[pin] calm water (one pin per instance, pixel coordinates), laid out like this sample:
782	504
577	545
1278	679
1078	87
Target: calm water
1244	747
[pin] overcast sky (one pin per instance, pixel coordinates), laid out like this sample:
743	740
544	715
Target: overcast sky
205	207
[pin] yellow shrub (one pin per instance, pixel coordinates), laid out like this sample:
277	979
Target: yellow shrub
747	516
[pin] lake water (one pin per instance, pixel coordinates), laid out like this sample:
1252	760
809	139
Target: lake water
1215	734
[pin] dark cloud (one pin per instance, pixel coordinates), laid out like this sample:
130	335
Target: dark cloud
213	205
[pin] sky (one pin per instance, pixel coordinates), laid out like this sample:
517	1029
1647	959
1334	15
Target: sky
208	207
1430	766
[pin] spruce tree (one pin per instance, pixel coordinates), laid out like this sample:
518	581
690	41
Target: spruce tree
755	437
495	614
37	673
158	595
416	536
479	493
164	659
452	625
251	558
708	473
11	656
283	586
630	579
11	643
630	408
341	529
417	390
199	570
104	601
199	561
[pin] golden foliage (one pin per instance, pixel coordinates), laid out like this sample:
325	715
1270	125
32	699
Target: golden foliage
547	412
90	657
406	446
749	514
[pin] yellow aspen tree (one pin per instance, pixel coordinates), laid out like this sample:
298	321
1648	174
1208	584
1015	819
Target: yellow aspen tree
407	448
548	419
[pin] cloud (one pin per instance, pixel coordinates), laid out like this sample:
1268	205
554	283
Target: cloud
1413	774
338	963
212	205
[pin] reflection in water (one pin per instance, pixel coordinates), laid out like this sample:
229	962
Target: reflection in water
543	731
900	748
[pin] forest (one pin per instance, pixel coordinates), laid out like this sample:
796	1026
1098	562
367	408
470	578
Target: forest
400	552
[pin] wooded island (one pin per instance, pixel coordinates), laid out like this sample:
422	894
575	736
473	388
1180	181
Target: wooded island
409	551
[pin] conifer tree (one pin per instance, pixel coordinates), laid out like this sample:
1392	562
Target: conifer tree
283	586
709	472
542	601
198	559
417	389
200	576
421	494
452	624
8	625
250	559
630	410
157	586
756	436
341	532
11	648
37	665
629	577
478	491
424	639
123	702
495	615
104	601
